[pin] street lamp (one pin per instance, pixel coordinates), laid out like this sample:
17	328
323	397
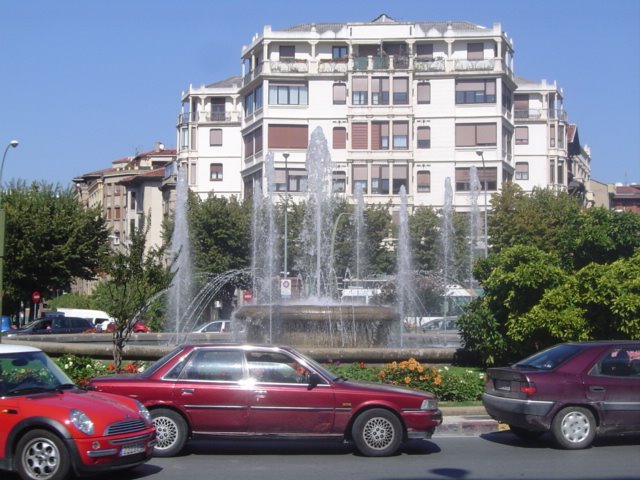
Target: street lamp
480	153
11	144
286	209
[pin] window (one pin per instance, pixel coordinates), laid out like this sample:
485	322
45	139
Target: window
215	137
339	52
194	137
475	51
297	180
380	91
360	178
108	213
192	174
252	143
248	104
214	365
521	106
288	95
522	171
487	178
359	136
339	138
475	91
287	52
339	94
359	91
288	136
257	97
424	50
424	137
215	172
380	136
423	181
522	135
272	367
132	201
400	91
552	135
424	92
475	134
560	136
552	171
184	138
400	178
339	182
218	109
116	213
380	179
400	135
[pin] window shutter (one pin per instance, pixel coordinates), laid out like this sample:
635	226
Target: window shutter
339	138
359	137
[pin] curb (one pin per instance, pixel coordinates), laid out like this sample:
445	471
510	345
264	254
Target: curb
466	421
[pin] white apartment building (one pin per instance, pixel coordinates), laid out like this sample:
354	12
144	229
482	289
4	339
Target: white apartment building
400	103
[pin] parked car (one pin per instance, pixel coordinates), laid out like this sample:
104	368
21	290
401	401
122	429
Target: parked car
275	392
138	327
574	390
98	318
217	326
49	429
55	324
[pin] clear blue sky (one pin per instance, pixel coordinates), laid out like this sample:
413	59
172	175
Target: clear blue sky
85	82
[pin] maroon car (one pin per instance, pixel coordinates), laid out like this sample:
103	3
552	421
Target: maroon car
574	390
275	392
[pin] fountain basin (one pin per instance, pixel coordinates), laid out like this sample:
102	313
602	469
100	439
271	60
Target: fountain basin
335	326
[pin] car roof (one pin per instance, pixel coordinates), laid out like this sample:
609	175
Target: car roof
9	348
604	343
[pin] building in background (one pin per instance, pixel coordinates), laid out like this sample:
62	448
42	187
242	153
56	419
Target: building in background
400	103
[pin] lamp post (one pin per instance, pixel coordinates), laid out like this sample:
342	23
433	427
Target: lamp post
11	144
286	209
480	153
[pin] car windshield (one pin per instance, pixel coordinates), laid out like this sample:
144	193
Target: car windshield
23	372
550	358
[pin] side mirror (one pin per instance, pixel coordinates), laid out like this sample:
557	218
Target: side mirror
314	381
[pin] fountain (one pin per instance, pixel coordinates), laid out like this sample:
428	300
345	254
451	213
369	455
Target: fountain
318	320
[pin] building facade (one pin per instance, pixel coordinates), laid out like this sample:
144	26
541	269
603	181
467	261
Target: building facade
400	104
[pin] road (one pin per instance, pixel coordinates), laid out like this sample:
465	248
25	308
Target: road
498	455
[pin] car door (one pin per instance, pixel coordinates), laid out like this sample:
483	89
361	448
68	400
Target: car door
211	390
280	402
614	384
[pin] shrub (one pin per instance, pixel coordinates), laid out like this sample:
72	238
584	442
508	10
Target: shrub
82	369
449	384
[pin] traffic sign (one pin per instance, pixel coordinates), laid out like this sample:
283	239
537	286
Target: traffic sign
247	295
35	297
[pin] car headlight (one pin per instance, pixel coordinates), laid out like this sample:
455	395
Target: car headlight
144	412
81	421
429	404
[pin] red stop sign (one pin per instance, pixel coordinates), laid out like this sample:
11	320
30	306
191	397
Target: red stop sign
248	295
35	297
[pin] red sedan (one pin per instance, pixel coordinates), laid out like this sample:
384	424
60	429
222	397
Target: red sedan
50	429
275	392
574	390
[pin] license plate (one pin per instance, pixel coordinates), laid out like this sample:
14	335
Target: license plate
132	449
502	385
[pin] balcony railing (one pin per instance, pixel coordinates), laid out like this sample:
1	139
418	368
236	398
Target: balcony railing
289	66
194	117
333	66
428	64
540	114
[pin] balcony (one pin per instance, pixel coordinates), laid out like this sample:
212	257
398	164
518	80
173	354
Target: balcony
333	66
425	64
204	117
536	114
289	66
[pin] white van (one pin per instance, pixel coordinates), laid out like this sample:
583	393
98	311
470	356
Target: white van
99	318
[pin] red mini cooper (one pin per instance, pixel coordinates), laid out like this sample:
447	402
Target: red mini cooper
50	429
252	391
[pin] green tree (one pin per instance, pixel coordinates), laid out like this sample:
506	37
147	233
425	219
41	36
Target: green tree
51	239
425	228
382	259
220	234
133	278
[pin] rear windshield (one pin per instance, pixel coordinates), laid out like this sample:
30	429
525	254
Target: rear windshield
550	358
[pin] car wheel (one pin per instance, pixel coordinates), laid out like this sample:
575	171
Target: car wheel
524	433
574	428
377	433
41	455
171	432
